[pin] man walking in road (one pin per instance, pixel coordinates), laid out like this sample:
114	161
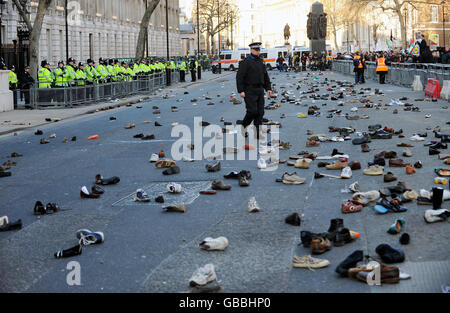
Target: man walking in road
252	79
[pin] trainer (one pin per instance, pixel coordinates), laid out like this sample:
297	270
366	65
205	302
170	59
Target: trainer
252	79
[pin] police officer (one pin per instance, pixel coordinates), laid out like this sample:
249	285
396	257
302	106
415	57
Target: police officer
252	79
199	70
60	82
182	67
13	83
46	79
193	69
25	84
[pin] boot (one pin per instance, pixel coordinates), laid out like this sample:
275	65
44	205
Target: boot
336	225
11	226
69	252
437	198
349	262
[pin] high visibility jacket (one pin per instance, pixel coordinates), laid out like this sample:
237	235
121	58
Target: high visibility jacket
61	77
143	68
111	71
182	66
101	69
329	58
71	75
196	65
91	73
360	63
45	78
80	76
381	65
117	71
172	65
130	73
136	69
12	79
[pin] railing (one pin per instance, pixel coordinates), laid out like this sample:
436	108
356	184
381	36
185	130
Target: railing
67	97
400	74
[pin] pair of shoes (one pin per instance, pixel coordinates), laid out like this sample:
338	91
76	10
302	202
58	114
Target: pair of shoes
50	208
215	167
141	196
95	193
86	238
99	180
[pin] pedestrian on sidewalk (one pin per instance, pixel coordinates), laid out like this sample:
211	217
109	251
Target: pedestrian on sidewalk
252	79
358	68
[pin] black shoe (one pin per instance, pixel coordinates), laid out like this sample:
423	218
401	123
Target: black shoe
99	180
349	262
213	167
11	226
39	208
404	239
293	219
378	161
69	252
74	138
157	124
51	208
232	175
148	137
159	199
39	132
438	194
5	174
336	225
84	194
433	151
342	237
138	136
389	254
306	238
336	152
97	190
172	170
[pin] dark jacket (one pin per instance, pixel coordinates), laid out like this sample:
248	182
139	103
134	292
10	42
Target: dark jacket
25	80
252	72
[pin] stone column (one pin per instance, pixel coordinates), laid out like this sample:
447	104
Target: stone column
6	95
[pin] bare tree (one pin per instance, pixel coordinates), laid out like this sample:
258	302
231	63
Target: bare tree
215	16
336	13
35	29
140	47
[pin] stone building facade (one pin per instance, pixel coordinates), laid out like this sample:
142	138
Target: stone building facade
98	28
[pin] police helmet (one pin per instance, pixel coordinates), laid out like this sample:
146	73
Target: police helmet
61	62
89	61
70	60
80	64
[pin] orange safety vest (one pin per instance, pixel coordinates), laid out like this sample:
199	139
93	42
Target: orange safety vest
360	64
382	67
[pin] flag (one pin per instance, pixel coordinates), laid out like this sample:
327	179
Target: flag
392	38
388	43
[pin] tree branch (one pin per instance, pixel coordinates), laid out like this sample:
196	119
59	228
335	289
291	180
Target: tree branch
22	13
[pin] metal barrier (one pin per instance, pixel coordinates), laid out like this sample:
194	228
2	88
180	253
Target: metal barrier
66	97
400	74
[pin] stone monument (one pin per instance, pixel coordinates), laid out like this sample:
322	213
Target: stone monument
287	34
317	28
6	95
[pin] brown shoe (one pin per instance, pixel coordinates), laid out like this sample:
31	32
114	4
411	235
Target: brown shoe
313	143
166	163
389	177
355	166
404	144
407	153
397	163
447	161
320	245
336	165
410	170
389	274
219	185
365	147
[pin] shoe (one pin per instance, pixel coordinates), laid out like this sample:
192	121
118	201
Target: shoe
219	185
312	143
4	220
350	207
389	254
337	166
85	194
69	252
433	216
130	126
39	208
154	158
293	219
308	261
417	138
342	237
44	141
262	164
320	245
99	180
442	172
165	163
172	170
410	170
362	140
404	239
336	225
374	170
243	181
410	195
346	173
138	136
181	208
302	164
157	124
87	237
203	276
141	196
432	151
215	167
253	206
174	188
397	226
211	244
74	138
388	275
39	132
350	262
397	163
97	190
418	164
11	226
292	179
159	199
355	166
437	198
148	137
365	147
407	153
389	177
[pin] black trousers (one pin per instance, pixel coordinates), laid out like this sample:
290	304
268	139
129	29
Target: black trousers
182	76
199	72
382	77
193	76
254	104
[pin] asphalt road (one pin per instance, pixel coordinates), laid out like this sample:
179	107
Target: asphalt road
146	250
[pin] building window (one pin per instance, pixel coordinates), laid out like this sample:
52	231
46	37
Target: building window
434	14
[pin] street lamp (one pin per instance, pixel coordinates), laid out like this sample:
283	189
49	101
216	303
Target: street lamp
198	29
168	70
443	21
67	31
146	33
218	28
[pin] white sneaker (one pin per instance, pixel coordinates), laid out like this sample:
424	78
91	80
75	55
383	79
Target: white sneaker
262	163
154	158
4	220
416	138
354	187
211	244
309	262
425	193
203	276
354	109
433	216
253	206
174	188
370	195
346	173
188	159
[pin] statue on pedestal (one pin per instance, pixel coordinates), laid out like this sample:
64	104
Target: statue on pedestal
287	34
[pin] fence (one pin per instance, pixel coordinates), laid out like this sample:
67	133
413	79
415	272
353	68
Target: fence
66	97
400	74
